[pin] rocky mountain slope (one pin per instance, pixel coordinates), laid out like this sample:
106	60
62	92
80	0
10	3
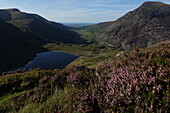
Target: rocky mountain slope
48	30
145	26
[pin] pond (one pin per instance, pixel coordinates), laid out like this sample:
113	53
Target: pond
50	60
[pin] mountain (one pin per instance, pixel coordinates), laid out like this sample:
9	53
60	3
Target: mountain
38	25
90	32
77	25
96	28
145	26
16	47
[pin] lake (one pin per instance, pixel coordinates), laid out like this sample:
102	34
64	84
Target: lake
50	60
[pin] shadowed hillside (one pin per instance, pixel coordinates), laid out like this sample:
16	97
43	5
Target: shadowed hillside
48	30
16	47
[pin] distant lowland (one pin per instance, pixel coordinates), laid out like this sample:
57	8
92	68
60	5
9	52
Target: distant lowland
77	24
116	66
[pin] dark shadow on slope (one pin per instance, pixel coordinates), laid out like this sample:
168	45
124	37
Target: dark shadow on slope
17	47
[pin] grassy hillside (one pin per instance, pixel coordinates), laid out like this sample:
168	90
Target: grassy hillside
90	55
47	30
16	47
137	81
90	32
97	28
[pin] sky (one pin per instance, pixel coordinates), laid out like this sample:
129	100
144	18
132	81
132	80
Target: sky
76	11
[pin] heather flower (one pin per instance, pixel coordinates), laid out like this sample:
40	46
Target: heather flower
73	77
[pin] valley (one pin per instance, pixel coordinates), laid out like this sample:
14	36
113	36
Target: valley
89	55
116	66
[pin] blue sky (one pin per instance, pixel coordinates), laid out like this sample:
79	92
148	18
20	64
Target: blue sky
77	11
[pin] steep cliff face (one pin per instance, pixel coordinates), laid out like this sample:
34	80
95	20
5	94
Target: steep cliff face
145	26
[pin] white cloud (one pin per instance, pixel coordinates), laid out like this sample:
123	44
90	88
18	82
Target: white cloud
110	5
166	0
86	15
74	10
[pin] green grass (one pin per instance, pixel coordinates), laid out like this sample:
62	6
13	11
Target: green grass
7	98
90	55
90	37
95	60
59	101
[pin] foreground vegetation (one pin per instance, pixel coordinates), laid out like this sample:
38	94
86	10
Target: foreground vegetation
136	81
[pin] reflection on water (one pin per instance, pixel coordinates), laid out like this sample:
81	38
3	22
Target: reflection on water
50	60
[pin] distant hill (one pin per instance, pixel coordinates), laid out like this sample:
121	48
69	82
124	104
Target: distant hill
90	32
77	25
38	25
145	26
16	47
97	28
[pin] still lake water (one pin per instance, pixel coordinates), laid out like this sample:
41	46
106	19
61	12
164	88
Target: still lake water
50	60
